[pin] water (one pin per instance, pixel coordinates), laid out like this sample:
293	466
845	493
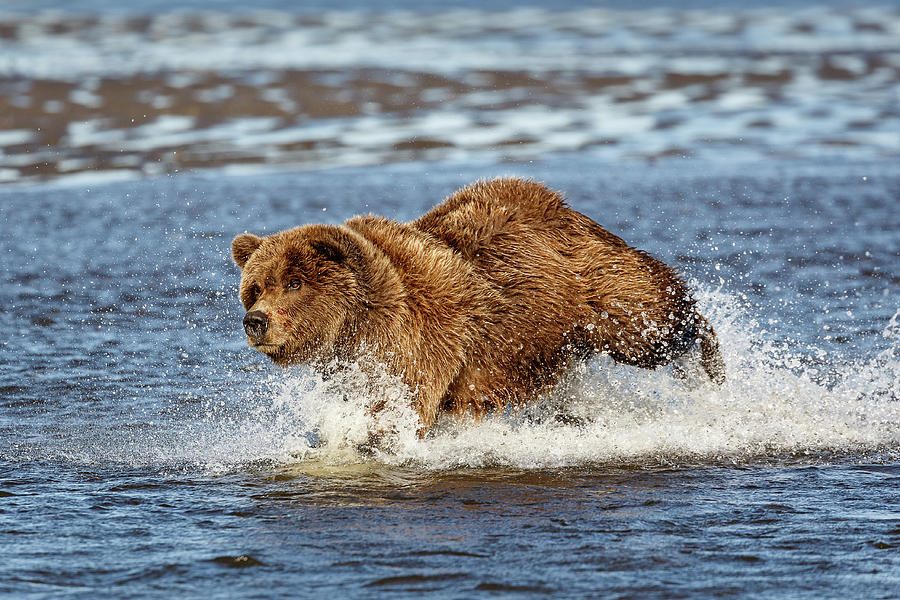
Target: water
183	89
146	452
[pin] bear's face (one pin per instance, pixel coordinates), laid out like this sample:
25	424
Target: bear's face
300	290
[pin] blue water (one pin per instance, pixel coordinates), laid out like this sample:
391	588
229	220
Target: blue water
146	452
162	6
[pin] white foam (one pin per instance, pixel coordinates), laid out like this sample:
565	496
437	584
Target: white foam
95	177
91	132
85	98
11	137
742	99
9	175
603	414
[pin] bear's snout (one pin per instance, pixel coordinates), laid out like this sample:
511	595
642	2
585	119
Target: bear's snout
255	324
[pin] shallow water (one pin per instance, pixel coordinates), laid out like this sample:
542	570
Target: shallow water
145	451
752	531
171	91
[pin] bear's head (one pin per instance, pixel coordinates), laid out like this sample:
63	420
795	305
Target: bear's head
301	290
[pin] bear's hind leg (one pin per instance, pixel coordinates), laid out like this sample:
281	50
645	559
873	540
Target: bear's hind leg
710	354
687	366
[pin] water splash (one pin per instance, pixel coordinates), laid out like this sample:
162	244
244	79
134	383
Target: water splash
778	403
775	404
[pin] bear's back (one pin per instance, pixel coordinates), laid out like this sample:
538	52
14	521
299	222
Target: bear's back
553	267
487	212
475	216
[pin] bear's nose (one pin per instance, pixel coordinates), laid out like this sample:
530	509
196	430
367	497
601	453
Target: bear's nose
255	324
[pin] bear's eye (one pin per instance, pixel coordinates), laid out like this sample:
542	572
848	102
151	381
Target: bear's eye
294	284
251	295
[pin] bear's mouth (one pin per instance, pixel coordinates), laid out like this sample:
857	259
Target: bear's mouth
265	348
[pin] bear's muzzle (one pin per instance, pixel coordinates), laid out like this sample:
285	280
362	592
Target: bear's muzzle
256	323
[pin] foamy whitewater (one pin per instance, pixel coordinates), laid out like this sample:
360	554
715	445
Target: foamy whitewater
775	403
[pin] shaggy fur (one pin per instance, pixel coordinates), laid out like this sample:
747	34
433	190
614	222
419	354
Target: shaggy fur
479	304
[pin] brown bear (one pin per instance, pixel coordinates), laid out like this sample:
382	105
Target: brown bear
482	303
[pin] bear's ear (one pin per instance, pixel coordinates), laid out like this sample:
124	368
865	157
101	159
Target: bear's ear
243	246
329	250
337	246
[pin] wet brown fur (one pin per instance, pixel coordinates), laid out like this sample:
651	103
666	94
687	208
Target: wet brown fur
479	304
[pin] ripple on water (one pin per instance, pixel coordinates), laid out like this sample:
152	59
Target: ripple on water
277	89
237	562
